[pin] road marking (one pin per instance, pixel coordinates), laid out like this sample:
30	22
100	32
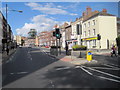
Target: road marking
77	67
102	72
109	79
86	71
114	65
12	73
100	76
62	68
52	83
22	72
19	73
31	59
106	68
109	65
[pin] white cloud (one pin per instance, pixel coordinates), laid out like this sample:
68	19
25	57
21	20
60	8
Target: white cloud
40	23
48	8
73	14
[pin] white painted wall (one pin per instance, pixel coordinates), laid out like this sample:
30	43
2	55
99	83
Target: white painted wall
108	30
63	39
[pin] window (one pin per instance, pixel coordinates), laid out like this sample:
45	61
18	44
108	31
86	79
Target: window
88	24
94	33
88	32
94	42
84	33
85	25
93	22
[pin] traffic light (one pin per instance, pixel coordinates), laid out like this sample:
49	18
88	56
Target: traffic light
57	33
58	36
57	30
98	36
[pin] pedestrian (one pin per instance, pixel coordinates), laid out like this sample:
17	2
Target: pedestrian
69	48
7	50
66	48
113	52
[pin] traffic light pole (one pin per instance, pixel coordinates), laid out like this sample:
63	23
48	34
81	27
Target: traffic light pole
56	47
99	46
60	47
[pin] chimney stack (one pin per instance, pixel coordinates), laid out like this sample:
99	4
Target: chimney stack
89	10
104	10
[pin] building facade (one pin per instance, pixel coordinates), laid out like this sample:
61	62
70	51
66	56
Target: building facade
99	23
118	26
77	31
1	31
18	39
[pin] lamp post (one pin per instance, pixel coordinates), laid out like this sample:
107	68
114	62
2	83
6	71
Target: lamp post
7	20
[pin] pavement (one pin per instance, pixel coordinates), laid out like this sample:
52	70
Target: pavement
5	57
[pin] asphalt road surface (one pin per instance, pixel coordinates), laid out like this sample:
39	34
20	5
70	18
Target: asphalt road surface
33	68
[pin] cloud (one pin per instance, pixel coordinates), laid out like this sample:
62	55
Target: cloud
49	8
40	23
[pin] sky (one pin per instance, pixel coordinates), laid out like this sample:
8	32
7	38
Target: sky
42	16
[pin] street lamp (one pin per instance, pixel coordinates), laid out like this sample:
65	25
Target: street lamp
7	20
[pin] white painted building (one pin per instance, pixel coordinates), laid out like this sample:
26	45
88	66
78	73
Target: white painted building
18	39
100	23
76	31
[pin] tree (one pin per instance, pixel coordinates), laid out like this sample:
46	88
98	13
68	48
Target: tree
32	33
22	42
118	44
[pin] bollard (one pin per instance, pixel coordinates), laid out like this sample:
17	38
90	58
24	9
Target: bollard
80	56
89	55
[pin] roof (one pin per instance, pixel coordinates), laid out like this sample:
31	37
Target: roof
97	14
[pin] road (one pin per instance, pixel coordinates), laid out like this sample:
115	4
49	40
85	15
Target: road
34	68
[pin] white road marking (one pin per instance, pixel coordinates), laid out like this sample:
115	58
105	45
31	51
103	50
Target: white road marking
52	84
12	73
31	59
109	65
62	68
77	67
22	72
103	72
100	76
106	68
114	65
86	71
109	79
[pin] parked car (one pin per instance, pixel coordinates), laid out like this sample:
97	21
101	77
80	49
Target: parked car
46	46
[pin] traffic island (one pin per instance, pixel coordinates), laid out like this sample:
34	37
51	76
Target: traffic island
77	61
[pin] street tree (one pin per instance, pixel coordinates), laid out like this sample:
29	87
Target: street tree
22	42
32	33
